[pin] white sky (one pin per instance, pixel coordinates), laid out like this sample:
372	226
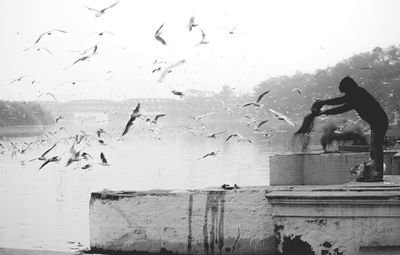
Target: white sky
271	38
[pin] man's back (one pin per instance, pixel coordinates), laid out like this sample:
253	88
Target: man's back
366	106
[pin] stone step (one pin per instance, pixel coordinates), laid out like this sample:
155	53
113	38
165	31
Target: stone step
380	250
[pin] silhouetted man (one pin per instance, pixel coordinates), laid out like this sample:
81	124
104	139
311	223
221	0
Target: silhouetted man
368	109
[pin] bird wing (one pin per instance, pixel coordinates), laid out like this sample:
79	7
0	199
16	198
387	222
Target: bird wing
158	30
44	154
136	109
160	39
128	125
58	30
92	9
40	37
42	48
159	116
45	163
114	4
229	137
261	96
261	123
248	104
103	158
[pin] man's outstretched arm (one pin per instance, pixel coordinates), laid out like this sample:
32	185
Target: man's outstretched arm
317	105
338	110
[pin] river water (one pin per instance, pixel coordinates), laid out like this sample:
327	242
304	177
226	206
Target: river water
49	209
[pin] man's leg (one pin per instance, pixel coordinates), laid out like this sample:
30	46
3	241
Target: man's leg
377	139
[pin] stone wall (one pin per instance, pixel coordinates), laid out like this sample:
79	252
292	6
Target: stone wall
183	222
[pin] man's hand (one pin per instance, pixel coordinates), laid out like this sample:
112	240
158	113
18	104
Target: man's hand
316	107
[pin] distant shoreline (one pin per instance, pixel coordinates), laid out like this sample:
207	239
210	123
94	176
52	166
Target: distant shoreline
18	131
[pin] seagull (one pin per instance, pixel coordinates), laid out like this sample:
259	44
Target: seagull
257	103
297	90
169	69
52	159
103	160
43	156
177	93
135	114
86	166
158	37
59	118
239	138
49	33
213	154
18	79
156	69
101	12
202	116
191	23
203	38
228	187
261	123
214	135
83	52
101	33
38	49
52	95
280	116
156	118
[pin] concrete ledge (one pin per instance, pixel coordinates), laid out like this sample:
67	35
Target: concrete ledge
337	219
10	251
182	222
319	168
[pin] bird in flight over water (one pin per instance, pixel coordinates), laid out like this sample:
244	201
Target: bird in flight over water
158	37
102	11
49	33
257	103
135	114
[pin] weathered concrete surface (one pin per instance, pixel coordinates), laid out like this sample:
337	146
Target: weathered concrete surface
184	222
10	251
337	219
319	168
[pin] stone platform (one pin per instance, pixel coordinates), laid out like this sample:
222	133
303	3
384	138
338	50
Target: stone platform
336	219
317	168
210	221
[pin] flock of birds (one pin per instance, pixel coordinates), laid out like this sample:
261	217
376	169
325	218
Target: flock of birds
85	55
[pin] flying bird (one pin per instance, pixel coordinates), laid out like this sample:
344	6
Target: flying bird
52	159
211	154
156	118
101	33
102	11
203	38
257	103
169	69
280	116
49	33
214	135
59	118
297	90
103	160
177	93
18	79
192	24
239	138
39	49
43	156
262	123
135	114
158	37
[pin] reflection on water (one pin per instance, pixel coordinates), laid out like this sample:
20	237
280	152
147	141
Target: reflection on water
45	209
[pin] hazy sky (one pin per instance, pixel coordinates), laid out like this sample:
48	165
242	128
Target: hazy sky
269	38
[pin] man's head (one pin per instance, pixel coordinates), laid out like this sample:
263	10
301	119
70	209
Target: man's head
347	84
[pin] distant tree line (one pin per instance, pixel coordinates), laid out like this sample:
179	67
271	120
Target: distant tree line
23	114
378	71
